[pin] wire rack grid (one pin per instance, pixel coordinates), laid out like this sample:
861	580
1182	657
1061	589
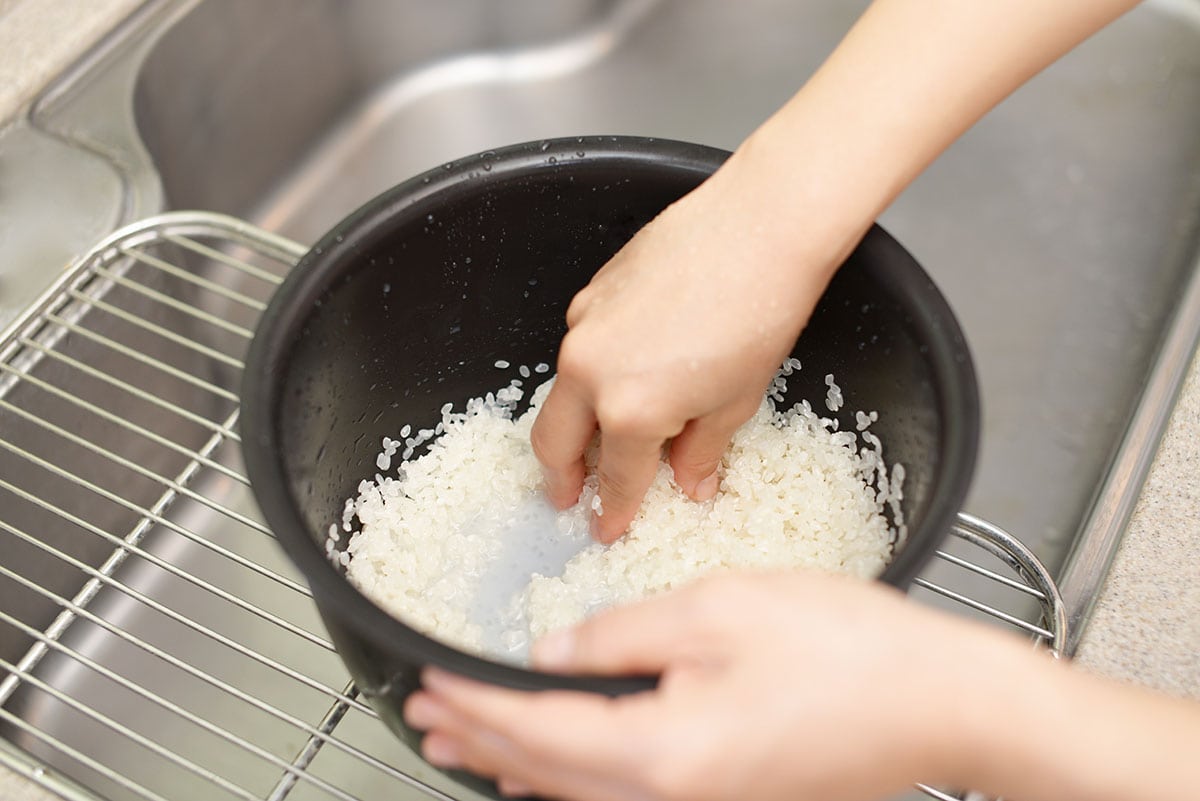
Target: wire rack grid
154	643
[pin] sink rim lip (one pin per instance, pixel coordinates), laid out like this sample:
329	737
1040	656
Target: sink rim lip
292	302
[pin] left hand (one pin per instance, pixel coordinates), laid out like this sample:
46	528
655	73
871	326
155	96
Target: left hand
773	686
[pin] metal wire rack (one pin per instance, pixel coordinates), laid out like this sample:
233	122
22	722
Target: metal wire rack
154	643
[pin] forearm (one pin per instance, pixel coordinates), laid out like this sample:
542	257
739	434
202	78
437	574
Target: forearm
1032	729
908	79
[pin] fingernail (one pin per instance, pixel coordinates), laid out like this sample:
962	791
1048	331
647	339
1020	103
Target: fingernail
707	488
420	711
555	651
442	752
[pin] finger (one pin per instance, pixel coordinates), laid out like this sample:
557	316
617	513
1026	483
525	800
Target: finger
696	453
642	638
561	433
424	712
626	468
572	730
579	304
698	449
491	758
513	788
456	742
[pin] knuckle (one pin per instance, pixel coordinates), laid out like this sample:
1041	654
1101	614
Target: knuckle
578	306
576	361
629	411
544	450
742	409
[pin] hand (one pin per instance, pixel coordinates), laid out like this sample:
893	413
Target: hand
678	335
675	339
776	686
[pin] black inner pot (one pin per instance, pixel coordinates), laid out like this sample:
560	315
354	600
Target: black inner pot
409	302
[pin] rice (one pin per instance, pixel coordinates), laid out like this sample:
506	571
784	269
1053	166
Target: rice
458	543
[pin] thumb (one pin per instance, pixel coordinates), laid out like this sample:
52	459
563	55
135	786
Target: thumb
640	639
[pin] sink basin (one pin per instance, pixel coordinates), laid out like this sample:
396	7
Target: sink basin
1063	229
1059	233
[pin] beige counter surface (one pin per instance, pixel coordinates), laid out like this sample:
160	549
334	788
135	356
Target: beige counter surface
1146	628
39	38
1146	625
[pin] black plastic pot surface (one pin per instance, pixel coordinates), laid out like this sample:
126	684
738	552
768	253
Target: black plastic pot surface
409	302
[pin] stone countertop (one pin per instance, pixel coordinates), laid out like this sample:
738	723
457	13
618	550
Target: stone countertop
1146	625
39	38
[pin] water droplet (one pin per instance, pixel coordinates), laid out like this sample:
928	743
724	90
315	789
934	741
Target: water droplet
467	260
553	160
425	180
545	145
487	167
387	288
429	218
448	165
339	238
580	153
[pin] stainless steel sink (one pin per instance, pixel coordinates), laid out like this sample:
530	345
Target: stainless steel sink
1063	229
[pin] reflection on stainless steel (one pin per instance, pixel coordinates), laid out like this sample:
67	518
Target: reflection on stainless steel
142	684
141	594
1060	235
1088	562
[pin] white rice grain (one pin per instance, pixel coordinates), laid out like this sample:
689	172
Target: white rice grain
794	492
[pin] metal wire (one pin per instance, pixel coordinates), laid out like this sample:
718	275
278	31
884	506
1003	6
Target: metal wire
318	735
146	290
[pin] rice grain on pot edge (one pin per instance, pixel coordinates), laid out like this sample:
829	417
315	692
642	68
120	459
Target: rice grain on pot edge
458	543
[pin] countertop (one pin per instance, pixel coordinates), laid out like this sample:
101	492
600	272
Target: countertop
1146	625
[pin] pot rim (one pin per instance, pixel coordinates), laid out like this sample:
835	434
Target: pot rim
421	195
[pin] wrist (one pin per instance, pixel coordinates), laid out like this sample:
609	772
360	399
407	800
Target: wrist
800	198
996	710
794	230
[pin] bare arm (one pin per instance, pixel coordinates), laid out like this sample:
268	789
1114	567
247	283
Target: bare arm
679	334
796	687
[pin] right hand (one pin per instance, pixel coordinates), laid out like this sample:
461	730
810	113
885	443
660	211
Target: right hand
676	338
